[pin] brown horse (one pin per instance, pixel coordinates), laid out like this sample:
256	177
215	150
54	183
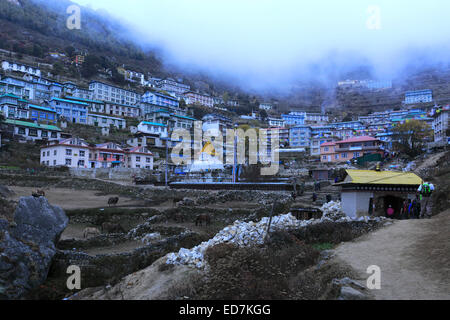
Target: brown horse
203	218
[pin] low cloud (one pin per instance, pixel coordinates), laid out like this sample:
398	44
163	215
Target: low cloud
263	44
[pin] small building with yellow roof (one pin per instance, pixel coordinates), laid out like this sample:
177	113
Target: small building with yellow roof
370	192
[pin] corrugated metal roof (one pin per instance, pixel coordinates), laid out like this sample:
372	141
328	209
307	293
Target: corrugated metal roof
32	125
382	177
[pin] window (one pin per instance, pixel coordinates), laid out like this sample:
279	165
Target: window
138	166
33	133
54	153
21	131
54	162
81	163
344	155
68	152
324	157
82	153
43	154
68	162
54	135
138	159
148	160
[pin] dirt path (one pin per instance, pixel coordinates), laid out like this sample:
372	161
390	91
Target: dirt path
73	199
413	255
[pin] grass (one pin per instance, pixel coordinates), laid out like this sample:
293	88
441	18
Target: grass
9	167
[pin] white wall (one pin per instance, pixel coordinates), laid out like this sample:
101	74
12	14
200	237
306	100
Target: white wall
60	157
355	204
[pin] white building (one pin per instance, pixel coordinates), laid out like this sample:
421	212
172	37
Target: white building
159	99
123	110
316	118
216	123
19	67
153	128
32	131
139	157
110	93
266	106
199	99
104	121
171	85
73	153
276	122
440	124
419	96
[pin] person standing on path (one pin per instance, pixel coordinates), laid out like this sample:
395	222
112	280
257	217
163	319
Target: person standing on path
390	212
426	190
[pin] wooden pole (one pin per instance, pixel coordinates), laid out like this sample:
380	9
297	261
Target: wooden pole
270	220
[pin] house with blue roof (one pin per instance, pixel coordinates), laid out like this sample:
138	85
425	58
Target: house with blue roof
73	111
42	114
160	99
13	107
94	105
154	128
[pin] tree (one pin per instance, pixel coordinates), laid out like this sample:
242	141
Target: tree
90	66
58	68
37	51
263	114
226	97
411	136
70	51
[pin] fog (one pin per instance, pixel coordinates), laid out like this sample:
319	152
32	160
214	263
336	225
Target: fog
265	44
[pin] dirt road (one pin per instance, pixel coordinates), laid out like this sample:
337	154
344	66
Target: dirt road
413	255
74	199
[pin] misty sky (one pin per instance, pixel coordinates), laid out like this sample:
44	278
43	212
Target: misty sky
262	42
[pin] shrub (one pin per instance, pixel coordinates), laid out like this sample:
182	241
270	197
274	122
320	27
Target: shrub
256	273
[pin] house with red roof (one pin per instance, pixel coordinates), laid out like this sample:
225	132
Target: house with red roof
139	157
345	150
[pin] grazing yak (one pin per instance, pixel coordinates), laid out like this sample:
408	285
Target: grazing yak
38	193
203	218
112	228
113	201
91	232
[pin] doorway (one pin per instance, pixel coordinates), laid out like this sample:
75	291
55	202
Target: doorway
396	203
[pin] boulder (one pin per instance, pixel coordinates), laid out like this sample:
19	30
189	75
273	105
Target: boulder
27	245
5	192
348	293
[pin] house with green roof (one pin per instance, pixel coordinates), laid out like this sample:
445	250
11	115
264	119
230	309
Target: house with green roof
31	130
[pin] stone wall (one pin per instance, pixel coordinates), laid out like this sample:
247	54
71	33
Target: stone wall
108	173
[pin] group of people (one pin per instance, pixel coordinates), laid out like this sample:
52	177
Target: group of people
418	208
